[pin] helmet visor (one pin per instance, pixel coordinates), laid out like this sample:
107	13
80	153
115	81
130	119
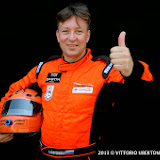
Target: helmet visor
23	107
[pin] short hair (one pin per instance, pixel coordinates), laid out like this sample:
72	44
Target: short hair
76	9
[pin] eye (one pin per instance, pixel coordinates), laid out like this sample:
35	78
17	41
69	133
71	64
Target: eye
65	31
79	31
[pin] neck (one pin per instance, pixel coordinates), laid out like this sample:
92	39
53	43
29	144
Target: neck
74	59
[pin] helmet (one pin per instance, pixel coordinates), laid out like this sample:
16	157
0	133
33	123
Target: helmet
22	112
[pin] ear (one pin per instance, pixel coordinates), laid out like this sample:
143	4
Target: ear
57	35
88	36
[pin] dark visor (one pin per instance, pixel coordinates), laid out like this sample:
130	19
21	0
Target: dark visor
23	107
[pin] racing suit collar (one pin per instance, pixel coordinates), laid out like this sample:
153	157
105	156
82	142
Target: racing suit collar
65	66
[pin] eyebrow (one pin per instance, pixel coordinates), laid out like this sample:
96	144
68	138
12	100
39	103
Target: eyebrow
69	28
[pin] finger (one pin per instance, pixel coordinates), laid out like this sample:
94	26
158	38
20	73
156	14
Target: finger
116	61
118	67
7	138
118	49
119	61
4	137
121	39
116	55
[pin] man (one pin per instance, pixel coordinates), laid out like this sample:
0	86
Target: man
72	87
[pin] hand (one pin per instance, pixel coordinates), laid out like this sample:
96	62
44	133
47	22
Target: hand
6	137
121	57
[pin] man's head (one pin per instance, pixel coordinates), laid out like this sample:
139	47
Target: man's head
77	9
73	23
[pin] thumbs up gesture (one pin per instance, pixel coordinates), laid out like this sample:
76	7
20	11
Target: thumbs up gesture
121	57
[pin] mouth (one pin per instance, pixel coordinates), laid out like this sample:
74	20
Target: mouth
72	46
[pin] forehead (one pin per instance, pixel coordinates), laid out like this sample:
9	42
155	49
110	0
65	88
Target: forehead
73	22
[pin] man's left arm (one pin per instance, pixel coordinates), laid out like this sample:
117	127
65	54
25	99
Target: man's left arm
122	61
136	76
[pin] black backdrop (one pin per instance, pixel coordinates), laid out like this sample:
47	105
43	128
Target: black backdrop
28	34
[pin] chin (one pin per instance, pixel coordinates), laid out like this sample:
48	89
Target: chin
72	54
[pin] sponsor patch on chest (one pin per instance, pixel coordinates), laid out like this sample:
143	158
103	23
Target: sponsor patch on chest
53	78
49	92
82	88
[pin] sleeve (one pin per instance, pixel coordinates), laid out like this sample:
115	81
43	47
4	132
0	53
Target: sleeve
139	84
21	84
140	71
131	102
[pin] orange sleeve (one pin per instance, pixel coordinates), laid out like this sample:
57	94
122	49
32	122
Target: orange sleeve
21	84
140	71
114	76
147	76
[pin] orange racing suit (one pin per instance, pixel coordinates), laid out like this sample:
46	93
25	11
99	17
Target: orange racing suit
69	95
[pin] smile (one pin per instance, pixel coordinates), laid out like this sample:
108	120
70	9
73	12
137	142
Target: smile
72	45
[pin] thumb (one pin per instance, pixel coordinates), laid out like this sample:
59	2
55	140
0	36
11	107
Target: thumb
121	39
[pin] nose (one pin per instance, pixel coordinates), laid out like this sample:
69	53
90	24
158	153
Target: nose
72	36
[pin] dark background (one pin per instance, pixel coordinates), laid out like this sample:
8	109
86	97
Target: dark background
28	35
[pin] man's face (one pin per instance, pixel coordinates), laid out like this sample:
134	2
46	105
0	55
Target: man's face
73	37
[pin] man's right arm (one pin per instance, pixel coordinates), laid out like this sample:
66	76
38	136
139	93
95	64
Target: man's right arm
23	83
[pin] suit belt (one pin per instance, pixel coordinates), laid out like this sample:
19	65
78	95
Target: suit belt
68	153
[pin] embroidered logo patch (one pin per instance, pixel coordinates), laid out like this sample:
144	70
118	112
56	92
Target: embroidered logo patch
53	78
49	92
61	153
82	88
